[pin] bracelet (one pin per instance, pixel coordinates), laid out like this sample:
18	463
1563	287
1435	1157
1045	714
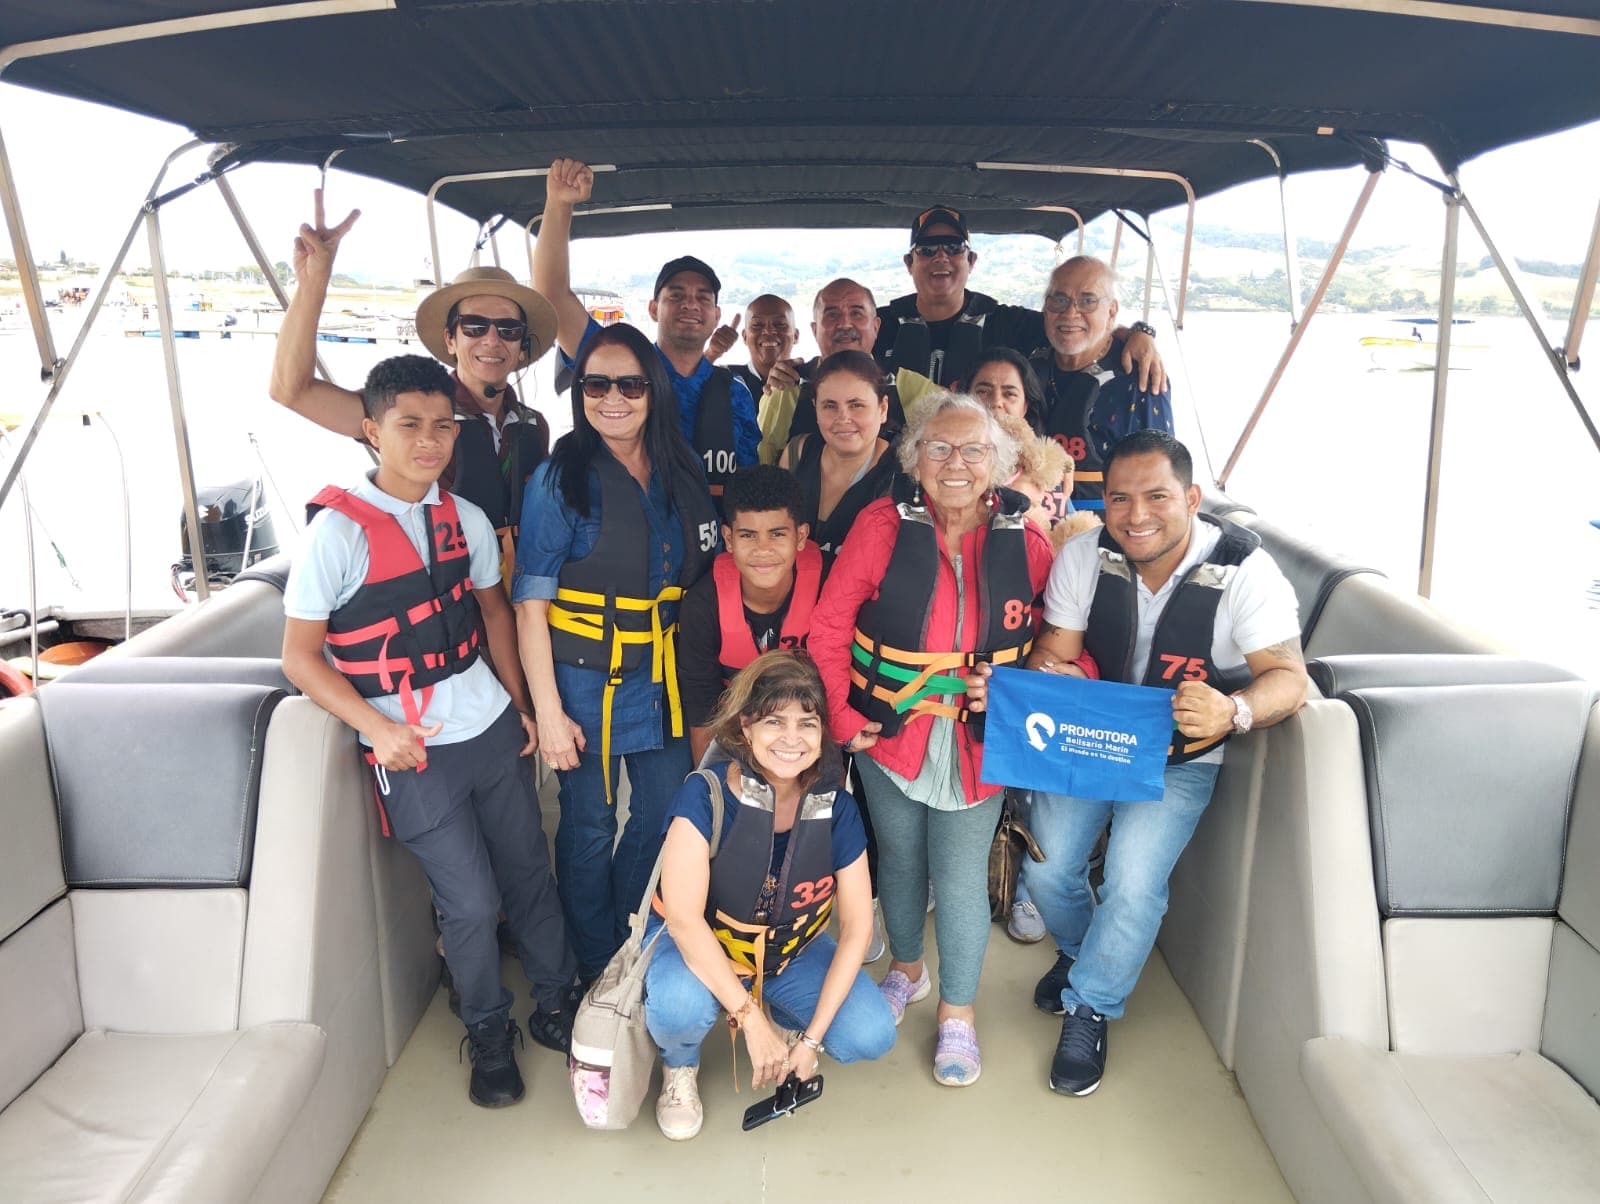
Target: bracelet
810	1042
736	1018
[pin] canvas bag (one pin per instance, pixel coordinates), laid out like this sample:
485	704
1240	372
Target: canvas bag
1011	840
613	1054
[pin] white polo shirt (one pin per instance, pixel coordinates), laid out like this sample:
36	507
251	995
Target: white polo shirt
331	563
1257	610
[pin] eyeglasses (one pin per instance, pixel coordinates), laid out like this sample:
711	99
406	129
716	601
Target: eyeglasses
475	326
929	247
1060	303
596	386
939	451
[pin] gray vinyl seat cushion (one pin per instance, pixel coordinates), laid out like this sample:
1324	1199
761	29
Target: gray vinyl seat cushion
155	1117
178	670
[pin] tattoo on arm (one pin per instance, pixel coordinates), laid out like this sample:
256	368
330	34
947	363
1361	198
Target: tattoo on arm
1049	629
1288	650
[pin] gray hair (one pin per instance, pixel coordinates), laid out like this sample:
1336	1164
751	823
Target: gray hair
816	303
1107	273
1006	448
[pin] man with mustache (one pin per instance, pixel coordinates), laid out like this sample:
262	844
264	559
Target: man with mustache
942	327
844	317
716	409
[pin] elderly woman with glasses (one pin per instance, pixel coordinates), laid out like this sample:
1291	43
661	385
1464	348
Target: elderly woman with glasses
935	578
616	525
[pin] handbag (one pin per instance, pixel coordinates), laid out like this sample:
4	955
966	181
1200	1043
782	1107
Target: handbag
613	1054
1011	838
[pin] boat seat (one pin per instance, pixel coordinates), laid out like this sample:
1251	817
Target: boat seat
189	986
1219	505
1203	935
1418	1014
243	620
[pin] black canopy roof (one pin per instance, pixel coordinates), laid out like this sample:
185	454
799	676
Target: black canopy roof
831	112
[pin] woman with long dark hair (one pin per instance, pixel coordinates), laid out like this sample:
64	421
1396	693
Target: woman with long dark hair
616	524
1005	381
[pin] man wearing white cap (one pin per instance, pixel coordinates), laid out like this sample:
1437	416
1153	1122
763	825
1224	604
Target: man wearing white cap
483	324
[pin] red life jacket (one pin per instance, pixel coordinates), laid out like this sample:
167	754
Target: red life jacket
738	647
410	624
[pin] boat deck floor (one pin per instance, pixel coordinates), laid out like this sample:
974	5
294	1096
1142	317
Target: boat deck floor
1167	1124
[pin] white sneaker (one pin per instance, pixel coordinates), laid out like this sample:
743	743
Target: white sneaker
1026	924
678	1111
875	947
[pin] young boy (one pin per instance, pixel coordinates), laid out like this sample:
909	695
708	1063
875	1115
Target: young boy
758	596
399	581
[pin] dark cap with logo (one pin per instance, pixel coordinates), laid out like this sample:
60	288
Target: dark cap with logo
686	263
938	216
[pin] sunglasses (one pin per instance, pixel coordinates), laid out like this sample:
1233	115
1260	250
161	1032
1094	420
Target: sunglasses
596	386
475	326
939	451
1060	303
928	248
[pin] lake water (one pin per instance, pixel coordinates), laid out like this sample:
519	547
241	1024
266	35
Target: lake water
1340	456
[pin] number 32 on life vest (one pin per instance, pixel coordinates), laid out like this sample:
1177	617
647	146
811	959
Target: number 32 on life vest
807	893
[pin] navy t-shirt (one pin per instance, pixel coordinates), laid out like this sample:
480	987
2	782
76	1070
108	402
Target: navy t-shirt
693	802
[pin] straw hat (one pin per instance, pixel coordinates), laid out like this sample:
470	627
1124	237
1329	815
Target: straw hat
485	282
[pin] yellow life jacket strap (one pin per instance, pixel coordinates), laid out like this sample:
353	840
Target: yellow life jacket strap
662	637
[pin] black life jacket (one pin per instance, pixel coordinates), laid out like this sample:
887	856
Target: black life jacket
714	441
893	672
602	617
738	647
804	420
493	479
1067	411
1181	648
913	339
410	624
800	892
805	461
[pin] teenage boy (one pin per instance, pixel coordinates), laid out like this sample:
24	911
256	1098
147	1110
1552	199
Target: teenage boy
758	596
399	582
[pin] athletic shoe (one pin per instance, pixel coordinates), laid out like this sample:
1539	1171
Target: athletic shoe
1026	924
553	1030
1047	995
495	1080
678	1111
956	1060
875	947
1080	1059
899	991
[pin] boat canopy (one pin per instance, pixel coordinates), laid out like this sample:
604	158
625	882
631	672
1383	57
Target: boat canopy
740	113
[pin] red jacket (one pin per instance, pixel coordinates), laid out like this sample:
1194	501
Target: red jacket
853	581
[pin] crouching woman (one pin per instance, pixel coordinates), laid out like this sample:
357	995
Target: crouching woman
747	927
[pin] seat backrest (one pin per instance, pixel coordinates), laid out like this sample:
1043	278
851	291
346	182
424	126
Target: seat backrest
1468	790
1571	1023
1314	572
245	619
39	1012
156	791
240	670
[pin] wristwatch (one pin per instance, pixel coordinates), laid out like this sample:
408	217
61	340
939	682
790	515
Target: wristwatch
1243	716
1143	328
810	1042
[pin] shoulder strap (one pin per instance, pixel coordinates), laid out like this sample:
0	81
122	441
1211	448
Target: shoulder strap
636	921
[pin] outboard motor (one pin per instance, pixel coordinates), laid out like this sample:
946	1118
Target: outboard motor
236	526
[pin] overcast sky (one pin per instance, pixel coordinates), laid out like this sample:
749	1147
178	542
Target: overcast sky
83	169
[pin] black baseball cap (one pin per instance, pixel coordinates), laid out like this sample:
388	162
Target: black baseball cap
686	263
937	216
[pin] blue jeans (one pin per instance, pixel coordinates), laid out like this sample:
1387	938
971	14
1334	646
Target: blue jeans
679	1011
1111	941
601	879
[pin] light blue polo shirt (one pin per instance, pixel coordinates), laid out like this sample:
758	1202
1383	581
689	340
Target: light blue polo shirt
331	563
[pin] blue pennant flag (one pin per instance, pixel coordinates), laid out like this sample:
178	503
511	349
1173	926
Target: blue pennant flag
1090	739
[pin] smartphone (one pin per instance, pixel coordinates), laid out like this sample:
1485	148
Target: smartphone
791	1094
